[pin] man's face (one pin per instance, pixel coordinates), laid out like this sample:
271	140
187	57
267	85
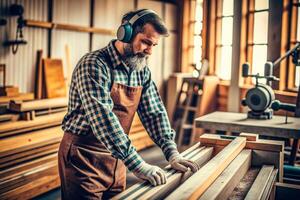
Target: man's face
144	42
141	47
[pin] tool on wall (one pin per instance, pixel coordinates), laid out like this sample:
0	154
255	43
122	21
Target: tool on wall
17	10
261	98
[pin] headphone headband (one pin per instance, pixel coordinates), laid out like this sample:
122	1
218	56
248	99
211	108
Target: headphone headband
139	15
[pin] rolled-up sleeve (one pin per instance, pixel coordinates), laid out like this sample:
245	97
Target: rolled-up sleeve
93	85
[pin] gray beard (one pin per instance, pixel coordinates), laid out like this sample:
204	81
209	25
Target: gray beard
135	61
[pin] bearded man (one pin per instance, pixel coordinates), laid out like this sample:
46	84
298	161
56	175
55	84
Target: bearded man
108	86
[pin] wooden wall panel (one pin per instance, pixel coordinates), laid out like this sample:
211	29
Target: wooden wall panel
105	18
70	12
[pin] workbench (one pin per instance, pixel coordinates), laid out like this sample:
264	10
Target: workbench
230	168
238	122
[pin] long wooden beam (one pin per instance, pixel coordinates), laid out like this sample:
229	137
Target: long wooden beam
230	177
70	27
258	187
144	190
196	185
38	104
17	144
260	144
11	128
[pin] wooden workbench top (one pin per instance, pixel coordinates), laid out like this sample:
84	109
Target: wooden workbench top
238	122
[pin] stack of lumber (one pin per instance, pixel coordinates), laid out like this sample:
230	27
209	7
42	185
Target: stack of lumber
28	110
234	168
28	156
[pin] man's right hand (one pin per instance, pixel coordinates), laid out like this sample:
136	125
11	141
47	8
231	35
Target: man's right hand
153	174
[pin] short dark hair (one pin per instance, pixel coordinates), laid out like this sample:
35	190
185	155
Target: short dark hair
152	18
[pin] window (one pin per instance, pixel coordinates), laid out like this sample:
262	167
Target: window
195	24
297	71
258	40
224	21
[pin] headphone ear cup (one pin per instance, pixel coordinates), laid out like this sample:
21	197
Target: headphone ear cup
124	33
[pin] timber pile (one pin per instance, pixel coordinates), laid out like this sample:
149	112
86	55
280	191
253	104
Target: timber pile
28	110
227	166
28	155
28	163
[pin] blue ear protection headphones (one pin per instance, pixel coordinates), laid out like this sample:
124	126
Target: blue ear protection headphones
125	31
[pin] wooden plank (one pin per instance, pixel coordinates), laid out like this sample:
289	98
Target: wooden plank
250	136
9	91
196	185
54	78
15	170
238	122
260	183
34	188
12	160
139	186
19	143
38	75
267	145
229	178
19	106
20	97
28	176
70	27
160	192
269	187
141	140
9	117
10	128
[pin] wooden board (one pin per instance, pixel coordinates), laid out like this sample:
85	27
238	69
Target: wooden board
9	91
229	178
38	75
261	181
20	97
54	78
19	106
16	170
12	160
195	186
9	117
238	122
267	145
11	128
146	191
20	143
28	176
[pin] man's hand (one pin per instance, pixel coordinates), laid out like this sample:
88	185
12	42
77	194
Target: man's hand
151	173
179	163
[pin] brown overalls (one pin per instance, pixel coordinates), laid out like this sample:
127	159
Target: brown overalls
87	169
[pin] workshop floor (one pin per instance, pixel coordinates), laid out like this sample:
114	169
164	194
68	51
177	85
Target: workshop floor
152	155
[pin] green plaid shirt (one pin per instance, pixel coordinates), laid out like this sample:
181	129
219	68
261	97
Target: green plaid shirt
90	105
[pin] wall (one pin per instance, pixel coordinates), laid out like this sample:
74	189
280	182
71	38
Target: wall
107	14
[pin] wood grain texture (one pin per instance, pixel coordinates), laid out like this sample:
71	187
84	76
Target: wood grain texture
267	145
229	178
17	144
260	183
196	185
238	122
19	106
20	97
54	78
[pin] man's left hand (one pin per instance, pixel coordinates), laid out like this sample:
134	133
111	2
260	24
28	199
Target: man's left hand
182	164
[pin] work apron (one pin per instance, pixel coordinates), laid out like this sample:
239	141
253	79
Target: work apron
87	169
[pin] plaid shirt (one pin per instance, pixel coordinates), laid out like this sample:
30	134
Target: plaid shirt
90	105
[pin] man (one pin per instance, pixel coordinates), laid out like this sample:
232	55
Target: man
108	87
